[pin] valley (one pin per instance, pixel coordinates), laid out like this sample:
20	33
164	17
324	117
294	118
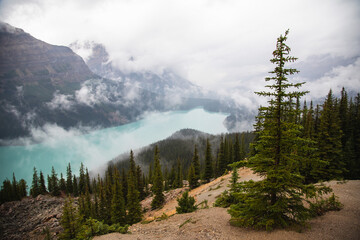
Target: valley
179	120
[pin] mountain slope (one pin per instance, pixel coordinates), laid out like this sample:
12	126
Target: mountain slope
213	223
46	84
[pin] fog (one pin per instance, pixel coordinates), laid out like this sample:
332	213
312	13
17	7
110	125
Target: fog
222	46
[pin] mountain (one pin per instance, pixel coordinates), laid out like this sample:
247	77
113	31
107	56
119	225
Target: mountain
180	145
165	83
42	84
177	93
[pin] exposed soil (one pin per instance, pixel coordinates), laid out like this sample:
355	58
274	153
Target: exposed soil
213	223
27	219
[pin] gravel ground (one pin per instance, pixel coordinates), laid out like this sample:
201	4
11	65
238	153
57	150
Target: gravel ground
213	223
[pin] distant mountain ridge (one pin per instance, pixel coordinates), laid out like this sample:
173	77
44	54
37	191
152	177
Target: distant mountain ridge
165	83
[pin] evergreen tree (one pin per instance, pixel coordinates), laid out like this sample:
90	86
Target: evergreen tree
329	142
82	180
22	188
140	182
157	187
69	182
103	212
95	207
237	154
277	200
118	212
133	204
14	189
87	204
42	184
54	183
150	177
191	177
111	180
50	187
196	165
221	160
186	204
75	187
124	184
6	191
178	176
242	147
166	179
234	179
35	189
355	143
132	164
87	178
62	184
309	131
344	117
208	162
70	220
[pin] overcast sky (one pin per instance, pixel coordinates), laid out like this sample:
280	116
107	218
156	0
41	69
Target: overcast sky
222	45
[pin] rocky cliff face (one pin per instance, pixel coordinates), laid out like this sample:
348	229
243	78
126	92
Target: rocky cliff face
29	218
27	60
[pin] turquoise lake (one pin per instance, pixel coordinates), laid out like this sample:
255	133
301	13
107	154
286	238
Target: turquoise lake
59	146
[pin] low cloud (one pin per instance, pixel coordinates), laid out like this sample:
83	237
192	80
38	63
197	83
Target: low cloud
340	76
61	101
214	44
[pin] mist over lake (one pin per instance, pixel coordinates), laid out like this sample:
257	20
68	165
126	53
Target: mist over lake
96	148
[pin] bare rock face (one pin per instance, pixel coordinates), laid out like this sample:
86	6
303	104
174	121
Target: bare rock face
25	59
28	219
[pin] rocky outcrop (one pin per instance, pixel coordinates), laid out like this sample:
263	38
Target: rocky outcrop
27	60
29	218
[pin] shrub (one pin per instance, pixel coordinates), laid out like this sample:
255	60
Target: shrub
186	204
320	207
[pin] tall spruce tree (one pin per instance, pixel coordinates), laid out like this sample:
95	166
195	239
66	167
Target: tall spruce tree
196	164
355	144
118	211
133	203
208	162
277	199
191	177
82	180
236	150
75	187
35	189
42	184
22	188
178	176
14	189
140	182
62	183
69	182
70	220
221	159
54	183
157	187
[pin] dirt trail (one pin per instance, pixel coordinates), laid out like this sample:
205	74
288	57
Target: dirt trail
213	223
